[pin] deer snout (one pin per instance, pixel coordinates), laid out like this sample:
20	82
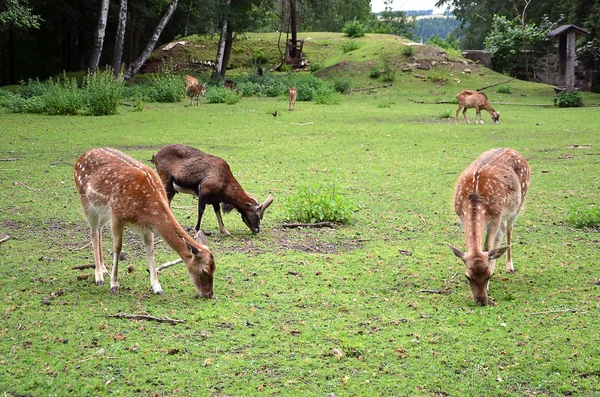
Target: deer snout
203	294
481	300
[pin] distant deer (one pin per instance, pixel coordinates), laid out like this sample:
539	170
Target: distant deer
190	81
292	98
184	169
468	99
231	85
115	187
196	90
489	195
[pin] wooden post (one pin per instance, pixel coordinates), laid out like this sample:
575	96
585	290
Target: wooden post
570	62
562	60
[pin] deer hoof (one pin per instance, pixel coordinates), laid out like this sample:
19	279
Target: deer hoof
99	283
114	290
159	292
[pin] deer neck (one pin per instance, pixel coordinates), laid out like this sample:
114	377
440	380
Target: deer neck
474	224
174	235
238	197
489	108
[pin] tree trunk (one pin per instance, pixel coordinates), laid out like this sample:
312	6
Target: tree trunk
134	67
99	37
118	55
187	19
221	49
294	28
227	50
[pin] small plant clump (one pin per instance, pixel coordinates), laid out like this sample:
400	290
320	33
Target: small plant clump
353	29
585	216
408	51
342	86
168	86
350	46
374	73
103	93
504	89
222	95
446	114
569	99
319	203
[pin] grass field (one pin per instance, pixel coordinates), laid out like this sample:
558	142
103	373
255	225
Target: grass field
313	311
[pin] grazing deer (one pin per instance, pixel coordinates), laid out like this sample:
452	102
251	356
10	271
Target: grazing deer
231	85
489	195
468	99
184	169
292	98
190	81
196	90
115	187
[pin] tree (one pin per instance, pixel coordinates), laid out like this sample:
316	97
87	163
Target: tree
99	36
135	66
219	64
118	55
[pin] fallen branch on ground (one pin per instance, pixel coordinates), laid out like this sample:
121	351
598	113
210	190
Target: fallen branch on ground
12	159
317	224
168	264
5	238
29	188
370	88
436	291
80	248
146	317
493	85
81	267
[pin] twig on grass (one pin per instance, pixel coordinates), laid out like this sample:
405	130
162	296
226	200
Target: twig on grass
80	248
5	238
12	159
370	88
570	310
436	291
317	224
168	264
81	267
146	317
27	187
142	297
493	85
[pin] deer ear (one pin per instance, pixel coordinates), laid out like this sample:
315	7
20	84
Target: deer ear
193	250
457	252
497	253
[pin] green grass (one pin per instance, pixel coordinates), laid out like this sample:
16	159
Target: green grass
310	311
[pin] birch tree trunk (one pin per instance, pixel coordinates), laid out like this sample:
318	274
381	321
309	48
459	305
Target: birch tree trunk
134	67
221	49
99	36
118	56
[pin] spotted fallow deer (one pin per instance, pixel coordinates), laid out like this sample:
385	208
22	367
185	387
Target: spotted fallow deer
489	195
468	99
115	187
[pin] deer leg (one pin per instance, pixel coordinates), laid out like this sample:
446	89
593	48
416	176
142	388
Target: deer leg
465	115
490	239
457	111
509	263
96	232
201	207
170	189
149	246
220	220
478	114
117	235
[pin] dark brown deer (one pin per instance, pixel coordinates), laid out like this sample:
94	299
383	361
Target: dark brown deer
184	169
231	85
115	187
489	195
468	99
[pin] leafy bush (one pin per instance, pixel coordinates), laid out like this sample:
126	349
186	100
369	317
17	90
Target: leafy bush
446	114
318	203
275	89
585	216
222	95
350	46
326	97
315	67
103	93
353	29
389	71
32	88
249	88
169	87
439	75
504	89
140	92
569	99
408	51
63	97
341	85
374	73
306	85
6	97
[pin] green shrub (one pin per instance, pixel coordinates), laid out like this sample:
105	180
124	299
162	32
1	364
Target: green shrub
446	114
315	66
350	46
139	92
32	88
569	99
169	87
439	75
389	71
63	97
408	51
504	89
319	203
327	96
6	97
386	103
249	88
274	89
353	29
585	216
374	73
222	95
103	93
341	85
